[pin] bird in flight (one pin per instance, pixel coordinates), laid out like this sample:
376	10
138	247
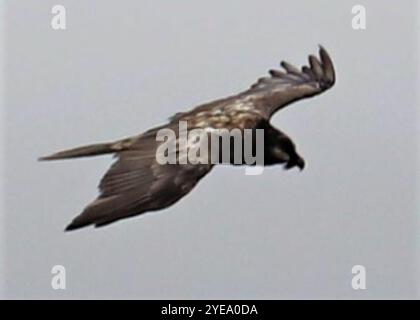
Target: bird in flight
137	183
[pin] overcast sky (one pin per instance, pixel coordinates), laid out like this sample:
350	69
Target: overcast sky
122	67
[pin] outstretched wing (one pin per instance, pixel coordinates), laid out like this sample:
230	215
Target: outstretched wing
137	183
270	94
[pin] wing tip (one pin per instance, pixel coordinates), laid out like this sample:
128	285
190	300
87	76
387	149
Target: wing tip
79	222
321	69
327	65
75	226
71	227
321	48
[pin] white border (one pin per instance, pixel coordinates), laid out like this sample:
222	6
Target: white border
2	149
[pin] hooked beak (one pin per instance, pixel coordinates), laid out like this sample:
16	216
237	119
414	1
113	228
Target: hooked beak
300	163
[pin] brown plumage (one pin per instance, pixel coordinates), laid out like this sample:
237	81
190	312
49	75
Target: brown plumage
137	183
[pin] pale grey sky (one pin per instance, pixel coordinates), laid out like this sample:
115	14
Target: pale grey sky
122	67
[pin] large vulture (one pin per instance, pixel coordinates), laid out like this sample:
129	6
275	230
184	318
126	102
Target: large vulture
137	182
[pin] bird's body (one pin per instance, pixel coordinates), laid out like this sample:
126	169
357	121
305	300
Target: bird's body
137	182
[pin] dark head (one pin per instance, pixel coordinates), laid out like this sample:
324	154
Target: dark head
295	161
282	150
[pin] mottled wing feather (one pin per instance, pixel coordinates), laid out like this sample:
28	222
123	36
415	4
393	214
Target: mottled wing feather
270	94
137	183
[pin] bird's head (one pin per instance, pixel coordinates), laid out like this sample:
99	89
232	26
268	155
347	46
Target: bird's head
283	150
295	161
